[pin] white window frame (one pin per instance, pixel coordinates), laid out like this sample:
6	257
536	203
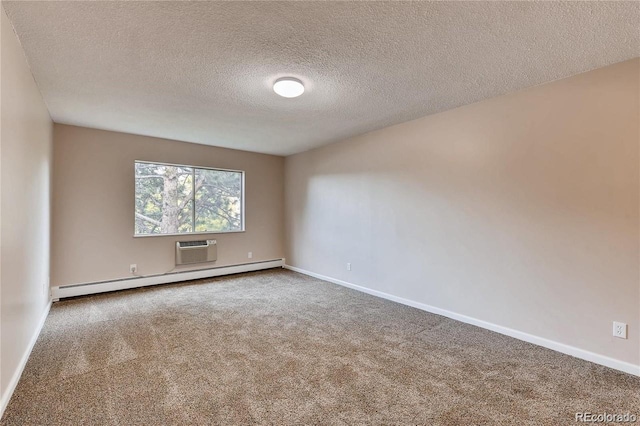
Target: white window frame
242	197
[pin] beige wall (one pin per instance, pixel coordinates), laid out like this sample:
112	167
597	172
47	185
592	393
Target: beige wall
93	205
520	210
25	152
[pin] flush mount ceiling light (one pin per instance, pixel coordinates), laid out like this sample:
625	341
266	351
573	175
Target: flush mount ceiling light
288	87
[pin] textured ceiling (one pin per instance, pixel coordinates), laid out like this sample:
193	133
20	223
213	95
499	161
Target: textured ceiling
202	72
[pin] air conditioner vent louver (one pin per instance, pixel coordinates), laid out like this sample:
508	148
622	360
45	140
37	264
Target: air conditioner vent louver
192	243
196	251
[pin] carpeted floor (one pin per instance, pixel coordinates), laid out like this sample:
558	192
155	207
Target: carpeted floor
277	347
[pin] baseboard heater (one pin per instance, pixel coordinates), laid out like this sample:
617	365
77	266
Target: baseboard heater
84	289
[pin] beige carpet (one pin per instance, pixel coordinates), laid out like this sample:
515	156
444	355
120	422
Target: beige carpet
277	347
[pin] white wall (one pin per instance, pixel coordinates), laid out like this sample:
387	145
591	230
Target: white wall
521	210
25	153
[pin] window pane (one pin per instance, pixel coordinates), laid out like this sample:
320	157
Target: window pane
218	201
164	199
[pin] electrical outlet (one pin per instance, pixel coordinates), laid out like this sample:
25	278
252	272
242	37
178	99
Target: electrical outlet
620	330
133	268
348	266
250	255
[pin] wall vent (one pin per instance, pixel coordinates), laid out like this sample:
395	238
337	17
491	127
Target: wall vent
196	252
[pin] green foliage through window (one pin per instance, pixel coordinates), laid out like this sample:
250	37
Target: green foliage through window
173	199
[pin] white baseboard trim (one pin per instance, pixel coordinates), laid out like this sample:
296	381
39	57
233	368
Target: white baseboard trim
536	340
61	292
4	400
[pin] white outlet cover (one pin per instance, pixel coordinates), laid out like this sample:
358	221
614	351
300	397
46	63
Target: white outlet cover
620	330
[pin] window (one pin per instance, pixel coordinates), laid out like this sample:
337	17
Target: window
175	199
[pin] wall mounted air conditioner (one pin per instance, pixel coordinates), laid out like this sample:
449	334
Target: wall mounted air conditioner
196	251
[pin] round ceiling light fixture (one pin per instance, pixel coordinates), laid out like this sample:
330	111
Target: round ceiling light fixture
288	87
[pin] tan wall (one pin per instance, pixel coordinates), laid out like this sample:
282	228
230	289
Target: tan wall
25	152
93	205
520	210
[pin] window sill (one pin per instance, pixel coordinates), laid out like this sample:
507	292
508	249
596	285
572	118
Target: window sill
186	234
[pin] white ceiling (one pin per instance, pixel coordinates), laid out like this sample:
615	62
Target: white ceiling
202	72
